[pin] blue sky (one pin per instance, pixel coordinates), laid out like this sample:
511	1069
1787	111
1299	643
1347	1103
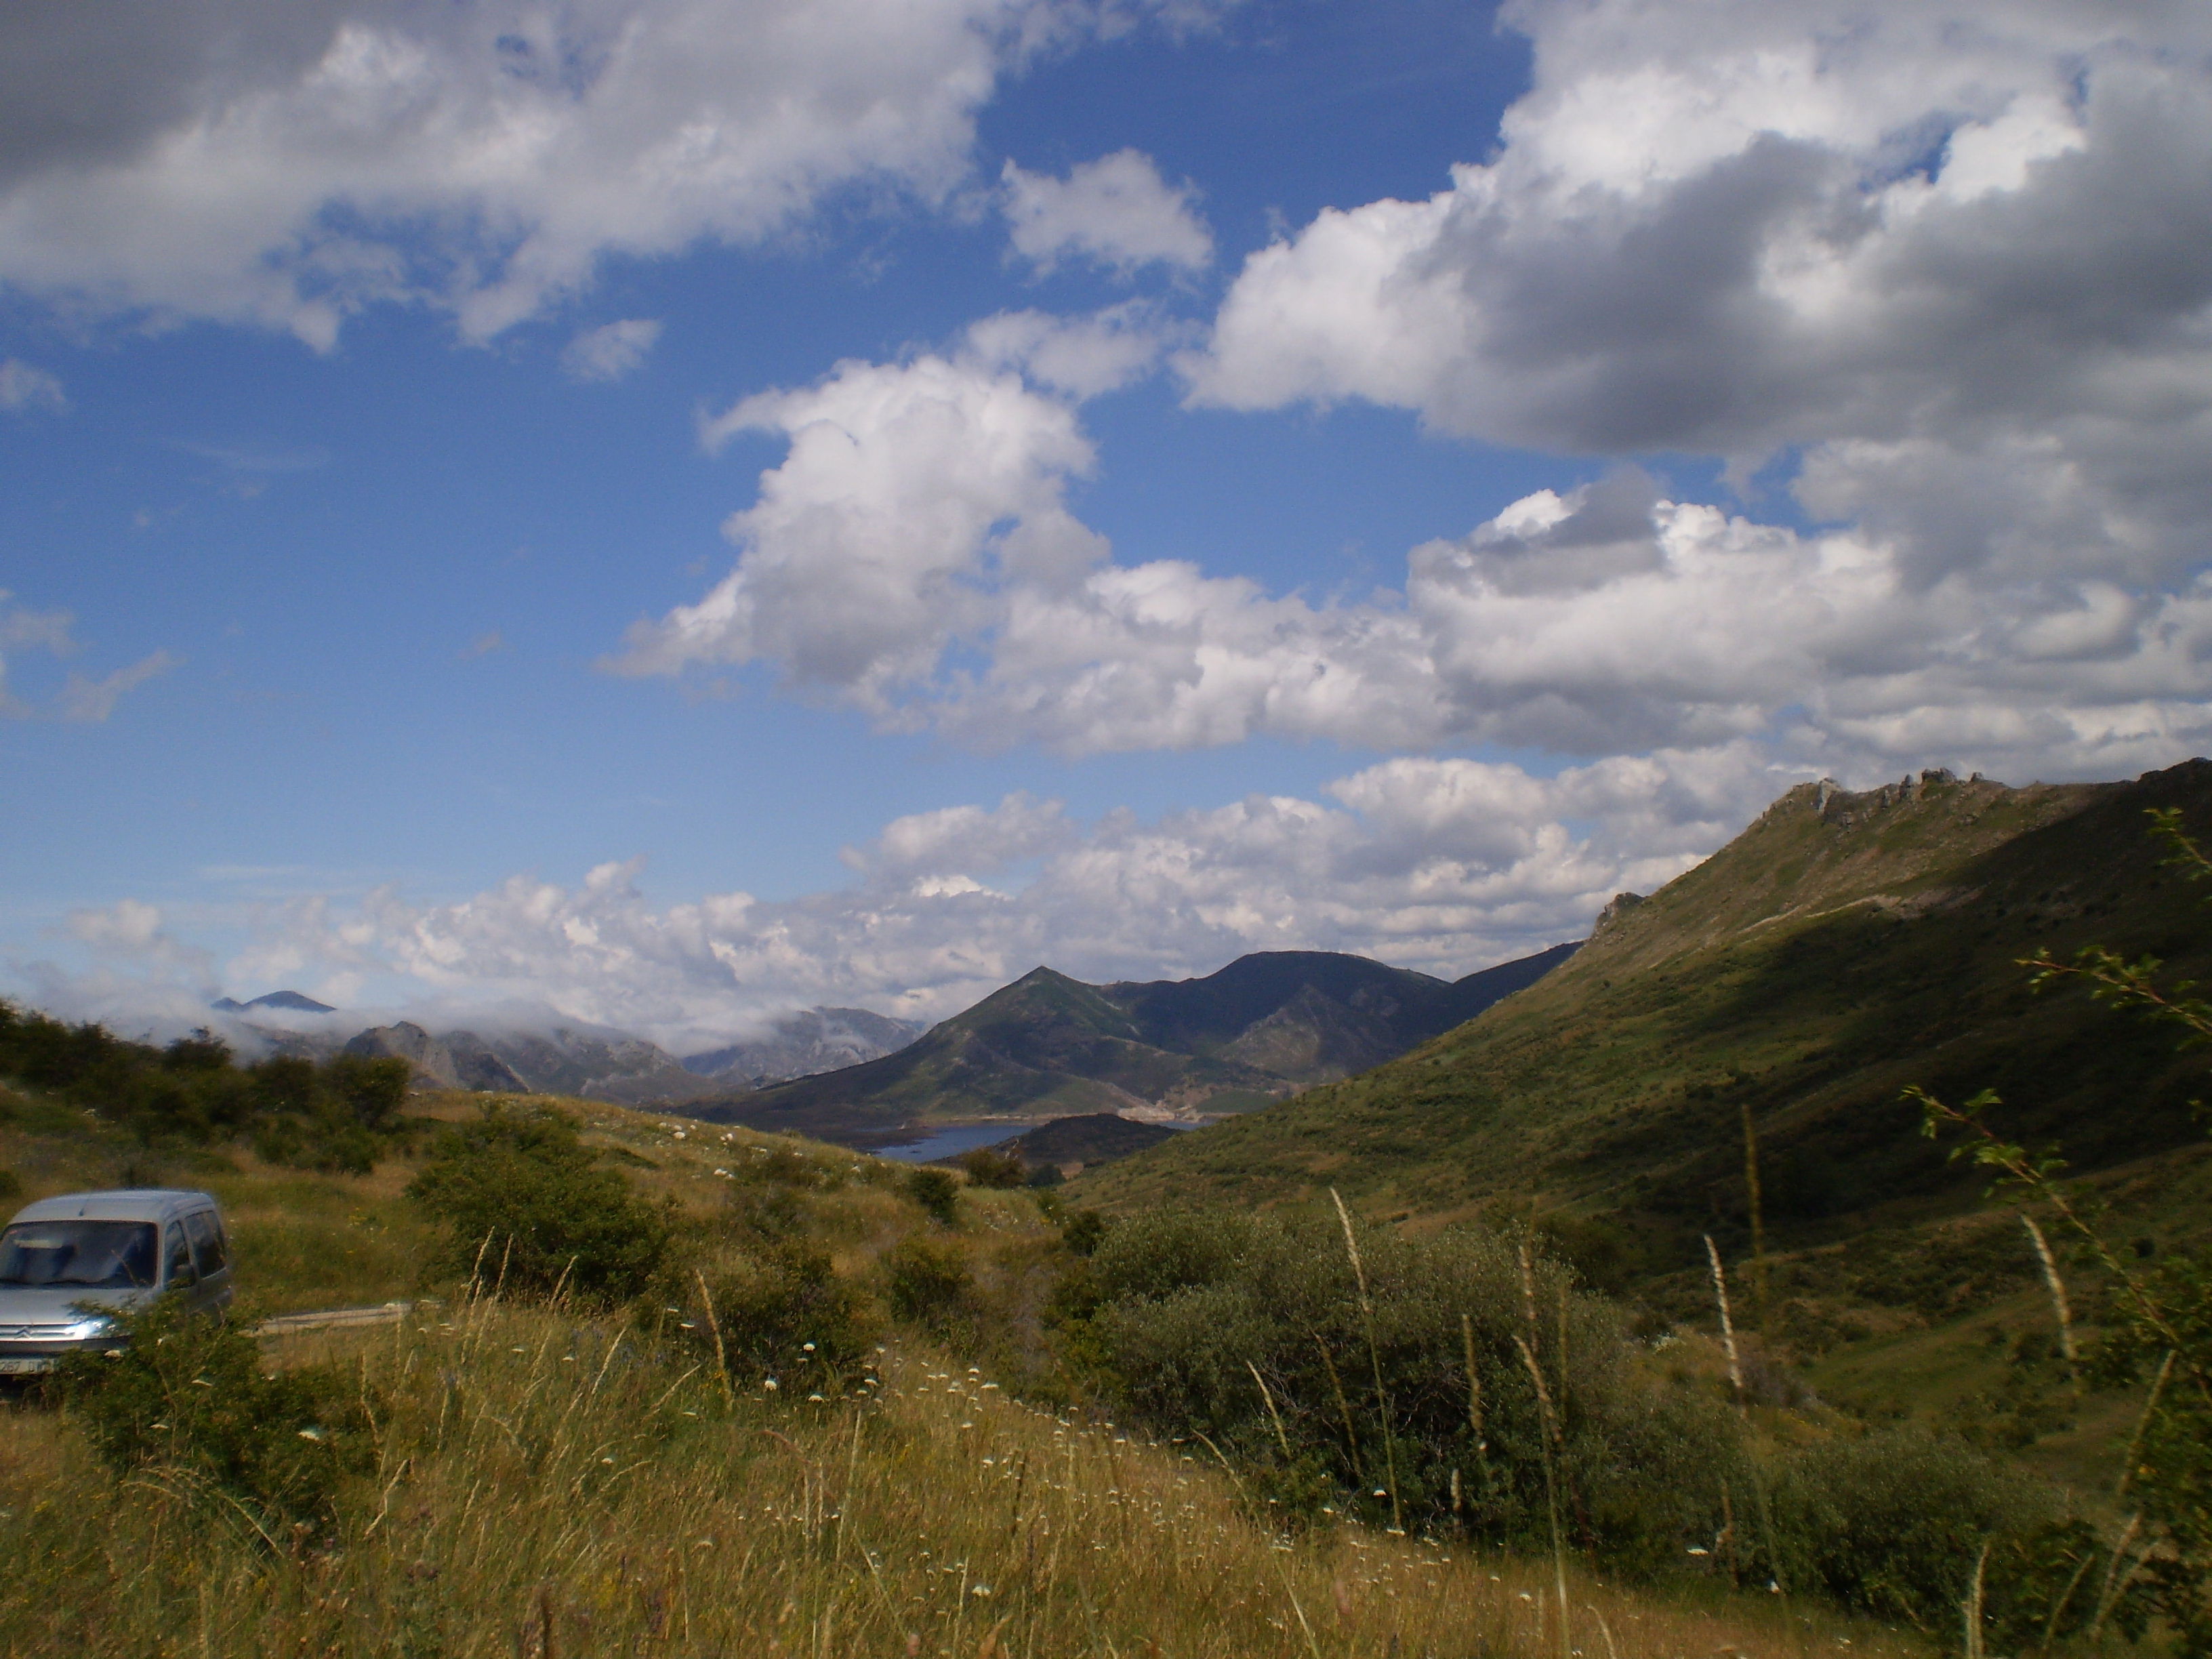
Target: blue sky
670	510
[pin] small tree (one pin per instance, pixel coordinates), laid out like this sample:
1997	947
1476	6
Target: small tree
986	1166
371	1091
190	1395
936	1192
519	1192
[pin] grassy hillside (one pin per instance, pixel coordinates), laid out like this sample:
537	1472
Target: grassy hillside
1843	946
541	1486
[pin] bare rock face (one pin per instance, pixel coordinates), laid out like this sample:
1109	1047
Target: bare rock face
459	1059
560	1059
595	1065
429	1061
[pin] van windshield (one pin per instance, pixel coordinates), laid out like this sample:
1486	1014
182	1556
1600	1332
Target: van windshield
97	1255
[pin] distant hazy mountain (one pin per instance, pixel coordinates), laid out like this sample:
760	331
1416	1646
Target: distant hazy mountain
800	1044
293	1000
1049	1046
598	1064
588	1062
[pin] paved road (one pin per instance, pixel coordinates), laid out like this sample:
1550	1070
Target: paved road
387	1313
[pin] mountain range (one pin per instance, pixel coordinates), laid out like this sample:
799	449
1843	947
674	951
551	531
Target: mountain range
570	1058
1184	1050
1775	1002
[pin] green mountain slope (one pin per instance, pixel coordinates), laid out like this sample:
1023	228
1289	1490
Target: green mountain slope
1049	1046
1845	945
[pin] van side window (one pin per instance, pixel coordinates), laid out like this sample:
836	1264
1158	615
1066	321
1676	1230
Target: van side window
207	1241
176	1258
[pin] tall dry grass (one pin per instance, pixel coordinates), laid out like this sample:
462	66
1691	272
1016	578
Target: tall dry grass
547	1485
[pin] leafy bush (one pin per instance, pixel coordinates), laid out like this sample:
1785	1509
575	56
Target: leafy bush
1894	1523
786	1313
936	1192
1082	1232
986	1166
927	1284
187	1395
518	1191
1186	1316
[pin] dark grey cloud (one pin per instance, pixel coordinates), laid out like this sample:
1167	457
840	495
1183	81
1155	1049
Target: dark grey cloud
85	82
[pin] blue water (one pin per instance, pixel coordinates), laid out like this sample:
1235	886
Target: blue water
953	1139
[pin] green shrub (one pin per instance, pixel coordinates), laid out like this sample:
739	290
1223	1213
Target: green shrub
1186	1314
1892	1524
1082	1232
518	1191
371	1091
986	1166
936	1192
785	1313
927	1284
186	1398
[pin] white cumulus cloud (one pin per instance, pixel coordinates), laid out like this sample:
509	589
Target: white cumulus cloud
1443	865
908	489
1960	255
1116	211
286	165
914	556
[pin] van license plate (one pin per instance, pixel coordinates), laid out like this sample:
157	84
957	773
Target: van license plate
30	1367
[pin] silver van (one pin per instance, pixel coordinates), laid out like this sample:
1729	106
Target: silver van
63	1260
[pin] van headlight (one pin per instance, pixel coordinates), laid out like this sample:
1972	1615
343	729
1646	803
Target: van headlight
89	1327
